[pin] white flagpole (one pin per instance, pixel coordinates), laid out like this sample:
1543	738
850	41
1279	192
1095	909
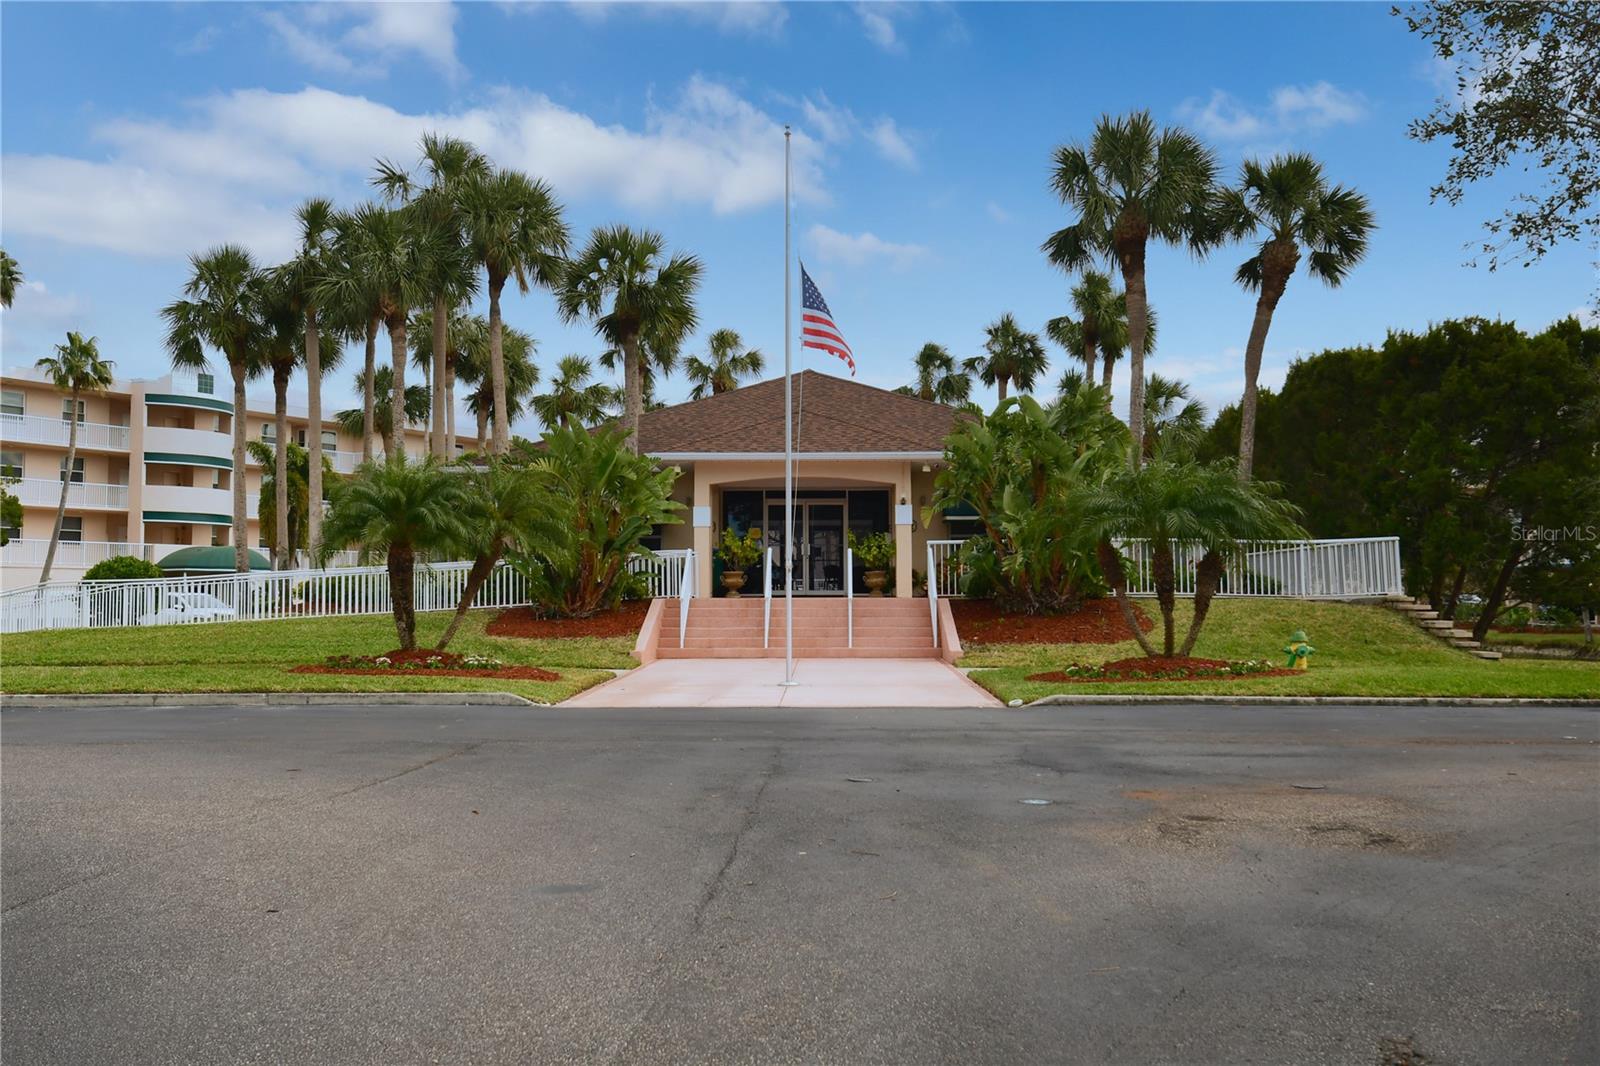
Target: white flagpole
788	433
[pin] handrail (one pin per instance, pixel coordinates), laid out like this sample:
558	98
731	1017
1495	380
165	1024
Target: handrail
685	594
766	593
850	597
933	598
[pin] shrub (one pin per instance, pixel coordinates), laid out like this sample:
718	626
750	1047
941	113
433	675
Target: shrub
740	553
875	550
122	568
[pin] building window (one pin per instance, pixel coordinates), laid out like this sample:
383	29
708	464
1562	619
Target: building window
205	384
11	402
219	536
77	470
11	464
269	432
330	440
72	529
66	409
11	532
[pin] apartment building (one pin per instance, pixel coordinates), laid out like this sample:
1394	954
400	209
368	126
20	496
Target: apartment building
153	472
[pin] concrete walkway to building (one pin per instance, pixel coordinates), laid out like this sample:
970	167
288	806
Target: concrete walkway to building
756	683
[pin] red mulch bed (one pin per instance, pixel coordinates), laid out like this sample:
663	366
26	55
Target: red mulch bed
1159	668
522	622
1096	622
455	667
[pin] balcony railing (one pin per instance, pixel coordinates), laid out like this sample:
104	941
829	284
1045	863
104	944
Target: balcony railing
39	429
76	554
46	492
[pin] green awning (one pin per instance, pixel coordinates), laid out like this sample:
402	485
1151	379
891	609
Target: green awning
210	558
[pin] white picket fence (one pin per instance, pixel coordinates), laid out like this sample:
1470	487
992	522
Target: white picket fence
271	595
1346	569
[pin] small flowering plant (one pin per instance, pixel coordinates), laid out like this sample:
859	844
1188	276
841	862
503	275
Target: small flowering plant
1098	672
419	661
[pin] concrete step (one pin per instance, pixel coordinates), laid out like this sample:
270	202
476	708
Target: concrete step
1485	653
1443	625
1464	642
818	652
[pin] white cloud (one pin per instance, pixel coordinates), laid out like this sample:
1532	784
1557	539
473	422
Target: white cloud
1588	317
37	308
235	167
363	40
998	213
892	144
1290	109
749	18
833	124
859	249
877	21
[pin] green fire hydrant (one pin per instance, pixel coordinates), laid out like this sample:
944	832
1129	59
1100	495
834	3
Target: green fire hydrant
1299	650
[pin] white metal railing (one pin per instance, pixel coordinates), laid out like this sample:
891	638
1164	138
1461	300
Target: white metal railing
73	554
663	570
849	597
685	594
46	492
933	588
944	567
40	429
1350	568
766	595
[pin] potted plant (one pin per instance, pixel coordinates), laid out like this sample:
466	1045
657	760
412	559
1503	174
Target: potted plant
876	552
738	554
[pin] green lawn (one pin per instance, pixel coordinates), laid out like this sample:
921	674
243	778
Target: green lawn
1361	651
1538	640
256	657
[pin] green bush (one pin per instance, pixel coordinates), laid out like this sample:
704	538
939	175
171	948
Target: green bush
122	568
875	550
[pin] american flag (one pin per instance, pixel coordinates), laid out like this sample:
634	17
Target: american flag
816	323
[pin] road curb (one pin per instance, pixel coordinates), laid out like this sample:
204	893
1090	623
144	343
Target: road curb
1312	701
41	701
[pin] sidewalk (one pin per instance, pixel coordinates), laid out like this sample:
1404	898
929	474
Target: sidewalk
756	683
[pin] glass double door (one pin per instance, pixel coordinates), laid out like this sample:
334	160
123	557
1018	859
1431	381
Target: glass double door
817	545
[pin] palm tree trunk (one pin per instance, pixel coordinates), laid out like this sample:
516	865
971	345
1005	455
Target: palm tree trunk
450	407
633	389
1266	304
482	567
1111	566
483	429
1000	387
66	484
1138	324
1088	357
367	398
1208	575
1161	572
397	401
497	369
280	468
314	416
241	533
402	569
1105	377
441	343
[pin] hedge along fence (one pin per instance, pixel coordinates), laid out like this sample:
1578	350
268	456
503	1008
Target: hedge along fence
268	595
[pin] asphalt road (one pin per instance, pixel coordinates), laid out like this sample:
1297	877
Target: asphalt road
488	885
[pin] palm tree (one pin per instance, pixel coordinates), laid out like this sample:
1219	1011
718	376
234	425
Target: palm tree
348	291
283	349
1097	329
501	503
464	333
514	228
1291	205
651	305
574	400
301	279
399	508
10	278
450	164
1169	502
75	369
1129	184
416	407
1174	422
297	496
939	378
520	378
223	309
1012	355
725	364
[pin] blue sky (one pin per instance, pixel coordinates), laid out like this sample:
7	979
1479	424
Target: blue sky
134	134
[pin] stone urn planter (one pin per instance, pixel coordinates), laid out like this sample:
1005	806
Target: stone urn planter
733	581
875	580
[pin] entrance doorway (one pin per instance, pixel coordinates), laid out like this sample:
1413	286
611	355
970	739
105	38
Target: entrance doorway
818	545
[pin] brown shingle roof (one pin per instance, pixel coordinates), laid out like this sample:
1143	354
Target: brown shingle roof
832	415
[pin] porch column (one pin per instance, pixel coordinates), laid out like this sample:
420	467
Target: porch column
903	527
701	517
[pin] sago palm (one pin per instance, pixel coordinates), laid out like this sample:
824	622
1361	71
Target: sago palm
1012	356
573	400
1130	184
641	303
939	377
1289	204
501	502
399	508
727	361
75	369
223	309
10	278
514	229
